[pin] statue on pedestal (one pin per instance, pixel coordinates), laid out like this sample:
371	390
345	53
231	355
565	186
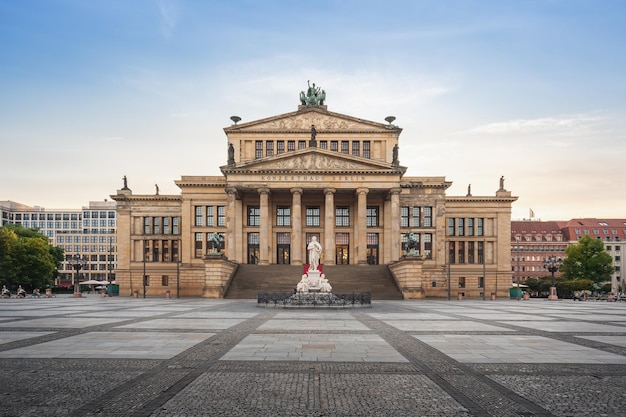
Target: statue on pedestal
303	285
315	253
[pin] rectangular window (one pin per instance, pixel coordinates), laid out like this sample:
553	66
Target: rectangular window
371	213
345	146
146	225
323	144
254	216
312	216
451	226
166	225
470	252
209	216
416	216
334	145
342	216
481	252
356	151
283	216
221	216
461	252
258	149
404	216
366	149
479	227
451	252
175	224
461	282
428	217
291	145
198	245
269	148
302	144
165	280
198	210
428	245
460	226
156	225
470	226
280	147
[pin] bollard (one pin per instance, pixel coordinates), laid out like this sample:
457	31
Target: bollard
460	296
167	294
136	294
493	296
48	292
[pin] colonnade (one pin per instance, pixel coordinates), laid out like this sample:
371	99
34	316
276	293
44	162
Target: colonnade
359	228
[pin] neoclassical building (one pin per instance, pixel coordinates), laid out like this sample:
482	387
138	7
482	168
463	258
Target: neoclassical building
314	173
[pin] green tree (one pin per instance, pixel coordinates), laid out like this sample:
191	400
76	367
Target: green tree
587	259
27	258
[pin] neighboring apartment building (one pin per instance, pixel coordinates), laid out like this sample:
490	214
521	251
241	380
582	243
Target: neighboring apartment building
532	241
314	173
90	231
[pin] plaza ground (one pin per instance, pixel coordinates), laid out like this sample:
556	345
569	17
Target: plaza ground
121	356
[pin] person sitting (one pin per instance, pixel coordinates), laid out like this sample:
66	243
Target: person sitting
36	293
21	293
5	292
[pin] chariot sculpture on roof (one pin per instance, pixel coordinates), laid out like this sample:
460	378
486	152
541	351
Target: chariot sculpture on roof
314	96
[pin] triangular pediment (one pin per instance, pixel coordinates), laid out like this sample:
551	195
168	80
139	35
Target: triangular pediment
301	120
314	160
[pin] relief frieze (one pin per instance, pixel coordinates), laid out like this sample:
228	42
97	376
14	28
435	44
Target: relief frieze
305	122
313	161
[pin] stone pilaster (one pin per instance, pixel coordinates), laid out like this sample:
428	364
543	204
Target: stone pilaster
231	222
296	226
361	230
264	229
394	196
329	226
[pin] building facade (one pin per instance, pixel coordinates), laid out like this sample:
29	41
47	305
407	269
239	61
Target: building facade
532	241
313	173
90	232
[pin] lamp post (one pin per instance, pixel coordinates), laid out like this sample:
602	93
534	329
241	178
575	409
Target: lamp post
517	240
110	277
552	264
77	262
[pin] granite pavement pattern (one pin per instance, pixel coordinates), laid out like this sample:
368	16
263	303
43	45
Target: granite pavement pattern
121	356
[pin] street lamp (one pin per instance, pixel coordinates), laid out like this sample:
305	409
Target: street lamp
552	264
77	262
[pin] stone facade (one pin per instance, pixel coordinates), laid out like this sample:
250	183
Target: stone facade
310	173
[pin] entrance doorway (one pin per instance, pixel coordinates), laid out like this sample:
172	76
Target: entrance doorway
342	248
372	248
253	248
283	248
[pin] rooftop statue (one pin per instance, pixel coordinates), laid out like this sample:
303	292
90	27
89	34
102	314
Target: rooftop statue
314	96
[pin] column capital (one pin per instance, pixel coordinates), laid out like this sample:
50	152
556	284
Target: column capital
296	190
329	191
362	190
263	190
231	189
395	191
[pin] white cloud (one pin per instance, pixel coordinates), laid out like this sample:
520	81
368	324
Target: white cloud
570	124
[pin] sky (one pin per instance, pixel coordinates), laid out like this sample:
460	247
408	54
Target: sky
534	90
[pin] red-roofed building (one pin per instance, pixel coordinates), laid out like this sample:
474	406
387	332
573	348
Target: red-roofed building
533	241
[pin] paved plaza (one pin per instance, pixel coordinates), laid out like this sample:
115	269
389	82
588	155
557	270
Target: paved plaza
120	356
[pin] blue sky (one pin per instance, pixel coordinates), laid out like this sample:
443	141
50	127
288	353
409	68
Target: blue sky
534	91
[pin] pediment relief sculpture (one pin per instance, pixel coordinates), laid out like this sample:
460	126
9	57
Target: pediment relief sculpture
321	122
313	161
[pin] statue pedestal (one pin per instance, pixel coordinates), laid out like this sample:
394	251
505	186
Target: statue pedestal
553	295
314	279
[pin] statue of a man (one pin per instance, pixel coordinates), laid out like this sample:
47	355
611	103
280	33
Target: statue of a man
231	154
395	161
313	142
315	253
502	182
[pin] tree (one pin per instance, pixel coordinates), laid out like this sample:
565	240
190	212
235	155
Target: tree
27	258
587	259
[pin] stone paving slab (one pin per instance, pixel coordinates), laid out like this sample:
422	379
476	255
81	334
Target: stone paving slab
119	356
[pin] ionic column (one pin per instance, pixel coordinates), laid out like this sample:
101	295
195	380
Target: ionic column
296	226
264	228
230	222
361	230
329	226
394	196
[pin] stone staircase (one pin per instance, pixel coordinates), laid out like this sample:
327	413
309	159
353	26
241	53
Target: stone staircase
376	279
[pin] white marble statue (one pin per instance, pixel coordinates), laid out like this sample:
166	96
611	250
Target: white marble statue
303	285
315	253
325	285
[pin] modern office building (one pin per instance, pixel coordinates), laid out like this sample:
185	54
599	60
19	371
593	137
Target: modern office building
90	232
314	173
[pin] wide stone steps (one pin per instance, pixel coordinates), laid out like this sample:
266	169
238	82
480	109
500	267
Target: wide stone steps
376	279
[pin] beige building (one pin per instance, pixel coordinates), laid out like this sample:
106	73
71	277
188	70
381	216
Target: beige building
314	173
